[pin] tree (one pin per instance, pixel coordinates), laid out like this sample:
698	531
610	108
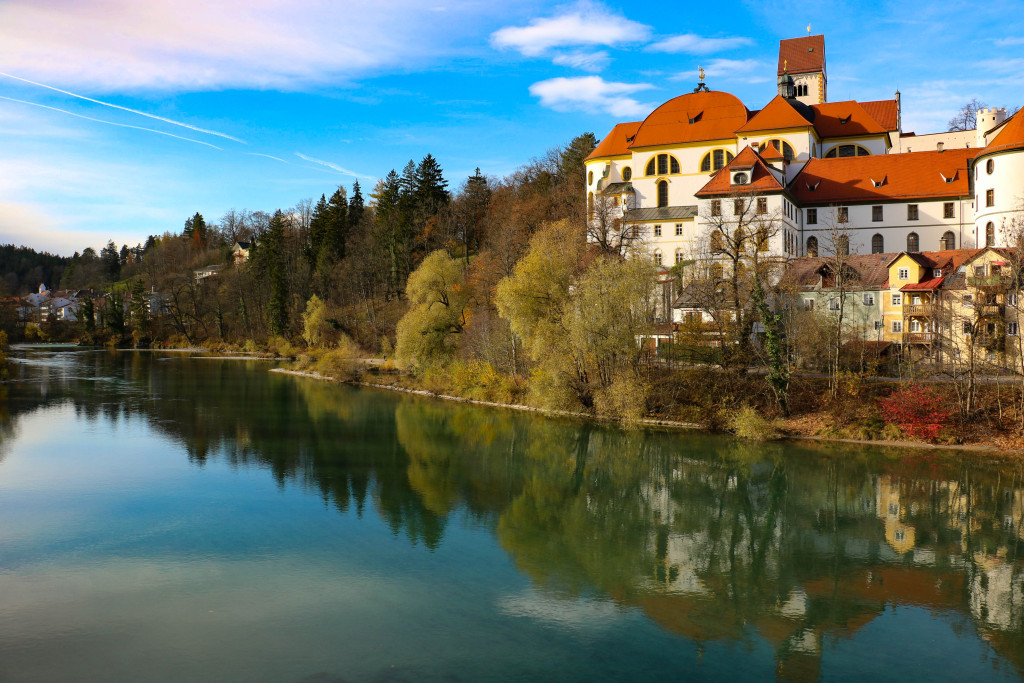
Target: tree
966	118
196	230
271	253
111	260
318	329
355	207
837	254
438	299
88	315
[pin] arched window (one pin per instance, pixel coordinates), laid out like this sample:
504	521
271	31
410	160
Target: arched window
714	160
781	145
663	193
877	244
657	257
590	204
627	173
716	242
913	242
990	235
590	178
662	164
847	151
990	166
679	256
948	240
812	246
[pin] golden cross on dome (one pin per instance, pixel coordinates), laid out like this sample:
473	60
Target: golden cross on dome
700	70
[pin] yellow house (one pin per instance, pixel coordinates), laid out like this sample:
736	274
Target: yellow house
984	308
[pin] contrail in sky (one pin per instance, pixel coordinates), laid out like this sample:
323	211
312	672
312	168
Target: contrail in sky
257	154
335	167
117	106
109	123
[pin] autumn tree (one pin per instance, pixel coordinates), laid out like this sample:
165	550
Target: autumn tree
438	299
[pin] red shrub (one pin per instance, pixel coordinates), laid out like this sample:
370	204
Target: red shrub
917	410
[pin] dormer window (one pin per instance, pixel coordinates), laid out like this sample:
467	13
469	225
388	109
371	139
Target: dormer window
740	178
844	121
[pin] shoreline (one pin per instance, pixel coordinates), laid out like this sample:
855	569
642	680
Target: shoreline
652	422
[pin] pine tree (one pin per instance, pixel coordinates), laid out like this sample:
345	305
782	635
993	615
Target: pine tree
388	224
476	196
317	230
431	187
355	208
111	261
272	254
337	226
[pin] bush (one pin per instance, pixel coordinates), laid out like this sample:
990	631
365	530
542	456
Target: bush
747	423
341	362
34	333
917	410
625	398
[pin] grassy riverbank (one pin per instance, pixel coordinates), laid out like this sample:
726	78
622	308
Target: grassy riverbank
709	400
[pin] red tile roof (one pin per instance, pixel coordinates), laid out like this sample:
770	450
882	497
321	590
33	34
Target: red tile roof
761	179
924	286
1010	137
884	112
616	142
802	55
844	119
771	153
777	114
910	175
715	115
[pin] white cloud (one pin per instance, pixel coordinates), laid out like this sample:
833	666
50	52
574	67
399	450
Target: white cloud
1008	42
584	61
587	24
693	44
112	45
748	70
592	94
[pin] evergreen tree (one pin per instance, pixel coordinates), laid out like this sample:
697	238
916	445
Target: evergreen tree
355	208
317	230
389	222
196	230
88	315
476	197
122	256
272	254
337	226
111	260
431	187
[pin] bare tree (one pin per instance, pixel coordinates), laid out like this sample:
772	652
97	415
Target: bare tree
966	118
836	249
606	226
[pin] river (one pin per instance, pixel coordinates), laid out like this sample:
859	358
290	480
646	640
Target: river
171	518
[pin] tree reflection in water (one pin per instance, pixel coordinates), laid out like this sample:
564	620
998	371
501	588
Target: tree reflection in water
713	539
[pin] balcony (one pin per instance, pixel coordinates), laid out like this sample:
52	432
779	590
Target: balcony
990	310
989	281
919	337
925	310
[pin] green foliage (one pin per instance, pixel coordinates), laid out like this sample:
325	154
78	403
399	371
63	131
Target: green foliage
88	315
34	333
438	297
747	423
271	253
625	398
317	327
341	362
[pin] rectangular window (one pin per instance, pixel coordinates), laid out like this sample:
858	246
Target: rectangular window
937	272
657	231
737	207
967	327
762	205
990	197
948	211
911	212
716	207
979	271
662	164
879	325
808	304
719	156
1011	329
904	273
1011	298
812	216
833	304
876	213
869	299
679	229
915	325
897	299
897	325
844	214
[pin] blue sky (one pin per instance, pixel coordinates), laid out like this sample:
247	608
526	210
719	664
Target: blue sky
260	104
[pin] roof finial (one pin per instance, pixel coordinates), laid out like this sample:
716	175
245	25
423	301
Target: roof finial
785	66
808	29
700	85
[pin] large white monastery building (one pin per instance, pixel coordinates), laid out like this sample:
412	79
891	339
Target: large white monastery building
811	165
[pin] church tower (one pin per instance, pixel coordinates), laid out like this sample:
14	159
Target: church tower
802	69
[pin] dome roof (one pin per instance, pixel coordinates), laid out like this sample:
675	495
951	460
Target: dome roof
694	117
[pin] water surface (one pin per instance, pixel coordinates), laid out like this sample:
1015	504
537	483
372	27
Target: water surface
170	518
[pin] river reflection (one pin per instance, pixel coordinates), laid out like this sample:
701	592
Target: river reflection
840	563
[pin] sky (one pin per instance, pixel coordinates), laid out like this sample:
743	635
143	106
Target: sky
121	118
